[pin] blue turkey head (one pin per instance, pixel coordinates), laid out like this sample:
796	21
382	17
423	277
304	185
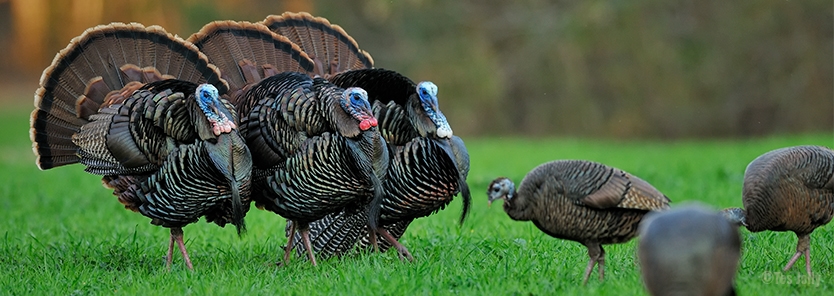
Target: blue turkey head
355	102
427	91
208	98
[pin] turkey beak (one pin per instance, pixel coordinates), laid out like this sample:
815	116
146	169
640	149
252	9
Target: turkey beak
490	200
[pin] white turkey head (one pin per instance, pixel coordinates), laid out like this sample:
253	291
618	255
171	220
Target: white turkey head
208	98
427	91
501	188
355	102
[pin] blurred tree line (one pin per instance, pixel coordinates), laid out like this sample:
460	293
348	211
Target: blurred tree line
646	68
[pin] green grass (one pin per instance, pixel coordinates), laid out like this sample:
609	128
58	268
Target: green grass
63	233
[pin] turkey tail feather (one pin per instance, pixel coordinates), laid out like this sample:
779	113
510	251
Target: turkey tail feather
329	45
104	59
335	234
381	84
231	45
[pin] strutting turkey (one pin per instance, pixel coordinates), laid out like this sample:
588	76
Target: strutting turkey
142	108
429	164
315	145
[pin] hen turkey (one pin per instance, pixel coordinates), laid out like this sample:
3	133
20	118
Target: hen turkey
142	108
788	189
582	201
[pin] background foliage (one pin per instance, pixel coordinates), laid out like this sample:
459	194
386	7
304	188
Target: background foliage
646	68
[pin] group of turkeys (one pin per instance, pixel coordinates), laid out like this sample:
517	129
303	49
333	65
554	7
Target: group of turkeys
290	113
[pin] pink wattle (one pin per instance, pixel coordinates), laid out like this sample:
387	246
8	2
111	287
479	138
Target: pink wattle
367	123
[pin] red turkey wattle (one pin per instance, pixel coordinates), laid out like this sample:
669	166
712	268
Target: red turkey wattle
367	123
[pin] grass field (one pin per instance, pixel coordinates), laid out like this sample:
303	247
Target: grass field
63	233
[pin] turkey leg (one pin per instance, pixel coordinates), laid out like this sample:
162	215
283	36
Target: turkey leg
803	247
597	255
176	236
290	242
401	250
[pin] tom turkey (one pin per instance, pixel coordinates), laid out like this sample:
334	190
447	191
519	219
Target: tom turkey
142	108
428	165
316	146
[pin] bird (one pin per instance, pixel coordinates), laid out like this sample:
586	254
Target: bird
429	165
580	200
688	250
143	109
316	146
788	189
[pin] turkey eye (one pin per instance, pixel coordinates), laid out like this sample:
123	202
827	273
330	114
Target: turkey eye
495	189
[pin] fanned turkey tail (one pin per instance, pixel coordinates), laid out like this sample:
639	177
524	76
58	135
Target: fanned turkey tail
247	53
116	57
332	49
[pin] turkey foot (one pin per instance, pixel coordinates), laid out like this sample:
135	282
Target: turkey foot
401	250
305	238
803	247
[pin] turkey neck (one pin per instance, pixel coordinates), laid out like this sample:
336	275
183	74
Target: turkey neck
372	150
420	121
519	207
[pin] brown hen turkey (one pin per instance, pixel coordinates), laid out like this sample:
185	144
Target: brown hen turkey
583	201
788	189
